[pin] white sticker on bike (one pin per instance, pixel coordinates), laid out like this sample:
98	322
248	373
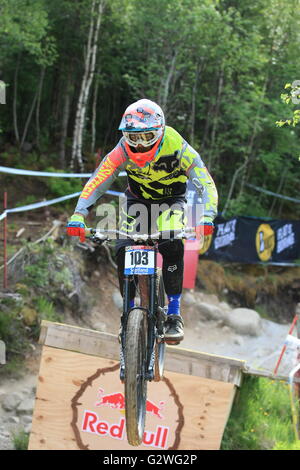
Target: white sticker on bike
139	260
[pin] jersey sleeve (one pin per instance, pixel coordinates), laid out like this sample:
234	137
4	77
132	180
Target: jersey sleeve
101	179
197	172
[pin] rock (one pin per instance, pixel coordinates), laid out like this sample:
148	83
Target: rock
244	321
27	428
14	420
211	299
118	300
210	312
26	406
189	298
11	297
100	326
11	401
26	419
226	329
2	394
239	341
30	316
224	306
22	289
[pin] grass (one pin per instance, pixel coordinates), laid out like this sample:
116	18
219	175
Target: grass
47	310
261	417
21	440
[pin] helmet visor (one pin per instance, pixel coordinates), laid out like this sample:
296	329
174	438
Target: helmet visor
143	138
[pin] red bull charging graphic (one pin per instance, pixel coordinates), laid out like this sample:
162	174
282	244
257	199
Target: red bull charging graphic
92	422
99	418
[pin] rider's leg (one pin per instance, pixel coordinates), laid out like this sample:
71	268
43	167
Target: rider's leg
172	253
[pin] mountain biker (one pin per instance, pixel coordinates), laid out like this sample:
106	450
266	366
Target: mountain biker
158	162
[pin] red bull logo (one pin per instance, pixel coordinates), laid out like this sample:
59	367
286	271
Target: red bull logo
92	422
114	400
117	400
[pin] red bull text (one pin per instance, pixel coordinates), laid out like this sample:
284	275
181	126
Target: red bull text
92	423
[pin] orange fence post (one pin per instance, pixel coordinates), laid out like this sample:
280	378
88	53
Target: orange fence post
284	347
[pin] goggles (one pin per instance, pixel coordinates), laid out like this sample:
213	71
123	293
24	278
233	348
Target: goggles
143	138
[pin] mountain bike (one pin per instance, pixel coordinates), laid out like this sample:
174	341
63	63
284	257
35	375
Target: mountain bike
142	345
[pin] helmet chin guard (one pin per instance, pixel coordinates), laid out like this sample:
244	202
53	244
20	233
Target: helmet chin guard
143	123
143	159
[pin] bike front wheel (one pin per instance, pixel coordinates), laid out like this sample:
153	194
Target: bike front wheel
160	347
135	382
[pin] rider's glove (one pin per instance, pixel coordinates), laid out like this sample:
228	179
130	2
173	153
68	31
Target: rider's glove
206	227
76	227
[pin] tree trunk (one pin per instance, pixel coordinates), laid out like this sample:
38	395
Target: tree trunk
28	120
237	171
64	125
38	105
199	68
90	61
249	150
206	127
167	81
215	119
94	116
15	115
279	188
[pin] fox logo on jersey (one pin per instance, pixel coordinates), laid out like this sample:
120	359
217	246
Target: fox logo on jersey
167	163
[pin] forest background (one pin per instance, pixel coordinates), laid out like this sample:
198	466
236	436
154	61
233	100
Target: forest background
218	68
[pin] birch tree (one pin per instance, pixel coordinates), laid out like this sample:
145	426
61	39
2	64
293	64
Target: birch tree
97	8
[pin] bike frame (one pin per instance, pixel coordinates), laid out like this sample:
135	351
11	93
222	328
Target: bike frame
148	292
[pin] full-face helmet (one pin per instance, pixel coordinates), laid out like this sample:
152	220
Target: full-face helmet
143	124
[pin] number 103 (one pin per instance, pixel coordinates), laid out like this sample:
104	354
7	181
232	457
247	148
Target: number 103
139	257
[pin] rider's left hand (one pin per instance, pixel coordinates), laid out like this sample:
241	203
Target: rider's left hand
205	228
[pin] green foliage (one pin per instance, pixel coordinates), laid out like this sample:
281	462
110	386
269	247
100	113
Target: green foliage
217	69
291	98
21	440
287	446
246	204
47	309
261	417
62	186
37	274
24	25
14	333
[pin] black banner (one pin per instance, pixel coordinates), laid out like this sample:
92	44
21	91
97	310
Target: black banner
250	240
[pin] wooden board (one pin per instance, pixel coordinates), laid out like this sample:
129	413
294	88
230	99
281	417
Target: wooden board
79	406
105	345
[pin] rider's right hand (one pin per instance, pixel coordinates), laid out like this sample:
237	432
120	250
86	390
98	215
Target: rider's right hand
76	227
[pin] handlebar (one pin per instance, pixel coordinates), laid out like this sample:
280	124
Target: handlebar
103	235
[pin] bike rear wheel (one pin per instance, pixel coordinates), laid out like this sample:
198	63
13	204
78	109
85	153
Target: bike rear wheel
135	383
160	347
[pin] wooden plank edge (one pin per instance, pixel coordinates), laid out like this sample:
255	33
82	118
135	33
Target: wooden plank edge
52	334
268	375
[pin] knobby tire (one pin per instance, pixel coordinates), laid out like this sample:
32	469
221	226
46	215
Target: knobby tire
160	347
135	383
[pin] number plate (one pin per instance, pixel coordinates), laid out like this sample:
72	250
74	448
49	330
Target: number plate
139	260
